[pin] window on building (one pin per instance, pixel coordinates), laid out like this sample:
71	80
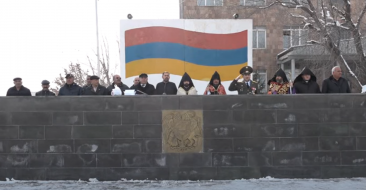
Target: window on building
210	2
253	2
294	36
259	37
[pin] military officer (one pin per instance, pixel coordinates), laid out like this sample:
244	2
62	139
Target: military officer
243	84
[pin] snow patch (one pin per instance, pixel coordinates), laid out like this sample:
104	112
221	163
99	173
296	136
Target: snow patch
364	89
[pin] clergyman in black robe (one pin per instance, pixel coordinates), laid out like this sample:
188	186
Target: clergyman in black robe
305	82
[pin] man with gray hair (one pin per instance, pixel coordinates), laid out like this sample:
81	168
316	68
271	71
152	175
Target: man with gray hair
336	83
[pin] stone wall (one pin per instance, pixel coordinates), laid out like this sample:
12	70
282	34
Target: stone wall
109	138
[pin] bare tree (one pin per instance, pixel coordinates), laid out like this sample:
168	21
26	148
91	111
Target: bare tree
80	74
324	21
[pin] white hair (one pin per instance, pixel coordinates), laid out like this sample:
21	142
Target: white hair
335	68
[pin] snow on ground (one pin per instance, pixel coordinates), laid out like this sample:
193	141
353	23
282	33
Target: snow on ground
251	184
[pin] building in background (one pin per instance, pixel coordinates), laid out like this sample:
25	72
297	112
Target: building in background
275	30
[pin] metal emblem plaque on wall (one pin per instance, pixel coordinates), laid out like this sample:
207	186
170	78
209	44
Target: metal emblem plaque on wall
182	131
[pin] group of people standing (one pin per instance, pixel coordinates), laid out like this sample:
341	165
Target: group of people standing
305	82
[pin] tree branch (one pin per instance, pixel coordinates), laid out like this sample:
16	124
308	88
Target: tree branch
361	16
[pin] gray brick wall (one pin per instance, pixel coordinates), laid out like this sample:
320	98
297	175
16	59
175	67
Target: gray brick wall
109	138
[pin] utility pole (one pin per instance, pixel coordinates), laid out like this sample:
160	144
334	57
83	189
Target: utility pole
96	15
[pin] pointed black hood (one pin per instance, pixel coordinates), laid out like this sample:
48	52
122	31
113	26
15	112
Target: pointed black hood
186	77
280	73
216	75
305	71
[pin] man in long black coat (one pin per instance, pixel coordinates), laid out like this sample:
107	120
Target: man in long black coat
18	89
336	83
305	83
166	87
95	88
144	87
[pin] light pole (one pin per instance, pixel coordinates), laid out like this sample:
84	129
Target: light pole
96	15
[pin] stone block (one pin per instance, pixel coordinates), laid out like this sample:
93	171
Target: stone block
275	102
153	146
191	102
118	103
337	143
126	145
144	160
338	101
299	144
102	118
31	132
256	144
55	146
225	103
80	132
343	171
153	117
124	131
225	131
31	118
18	146
27	173
274	130
331	115
254	116
193	173
182	131
218	145
19	160
230	159
310	102
58	132
292	172
62	160
9	132
136	173
147	103
357	129
88	103
195	159
5	118
68	118
170	102
309	130
359	101
321	158
74	173
232	173
353	115
353	157
300	116
361	143
90	146
338	129
287	158
147	131
217	117
130	118
256	159
109	160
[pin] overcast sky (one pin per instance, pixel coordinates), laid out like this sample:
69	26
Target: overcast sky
38	38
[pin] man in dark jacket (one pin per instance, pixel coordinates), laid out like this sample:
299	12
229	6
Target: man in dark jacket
18	89
136	82
243	84
88	83
95	89
336	83
70	88
117	81
166	87
45	91
305	83
144	87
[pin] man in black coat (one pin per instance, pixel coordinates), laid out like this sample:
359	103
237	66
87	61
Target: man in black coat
18	89
70	88
166	87
336	83
45	91
95	89
305	83
144	87
117	81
